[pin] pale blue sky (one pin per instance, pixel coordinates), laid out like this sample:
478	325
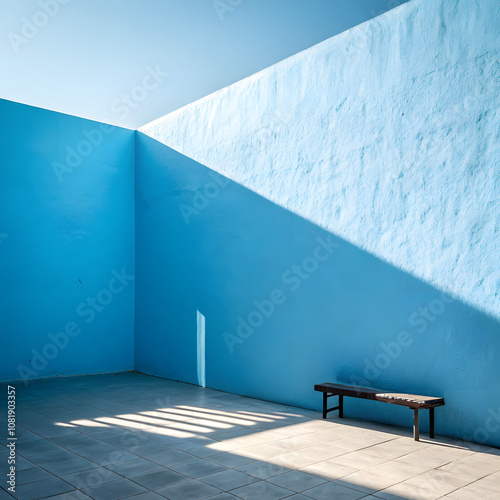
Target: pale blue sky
88	57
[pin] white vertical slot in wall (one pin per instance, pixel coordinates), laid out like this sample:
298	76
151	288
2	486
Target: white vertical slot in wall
200	328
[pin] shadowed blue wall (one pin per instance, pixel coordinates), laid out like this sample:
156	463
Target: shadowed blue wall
66	244
207	244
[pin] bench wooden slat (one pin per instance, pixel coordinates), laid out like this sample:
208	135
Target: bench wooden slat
422	401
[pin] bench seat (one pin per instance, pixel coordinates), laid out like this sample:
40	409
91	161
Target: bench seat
412	401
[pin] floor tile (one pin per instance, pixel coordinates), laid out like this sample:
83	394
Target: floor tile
42	489
231	459
491	482
328	491
145	450
463	470
188	490
228	479
40	447
296	459
406	491
261	490
71	495
262	451
157	479
483	461
31	475
23	464
198	468
115	457
90	478
116	490
171	457
396	470
358	460
296	481
438	481
134	467
69	466
328	470
95	449
224	496
366	482
473	492
150	495
421	458
202	451
52	457
262	470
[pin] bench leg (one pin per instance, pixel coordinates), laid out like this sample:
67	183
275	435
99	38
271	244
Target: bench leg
325	402
341	406
431	422
416	434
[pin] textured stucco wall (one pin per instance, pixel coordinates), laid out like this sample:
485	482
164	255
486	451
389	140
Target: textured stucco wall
66	232
384	138
387	135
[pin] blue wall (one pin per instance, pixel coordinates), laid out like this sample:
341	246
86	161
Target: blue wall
385	136
66	230
207	244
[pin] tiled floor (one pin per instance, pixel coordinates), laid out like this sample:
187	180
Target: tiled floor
144	438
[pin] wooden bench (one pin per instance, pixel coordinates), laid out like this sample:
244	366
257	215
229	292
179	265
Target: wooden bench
411	401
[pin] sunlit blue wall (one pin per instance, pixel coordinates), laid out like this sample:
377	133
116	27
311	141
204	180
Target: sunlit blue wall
66	244
385	139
